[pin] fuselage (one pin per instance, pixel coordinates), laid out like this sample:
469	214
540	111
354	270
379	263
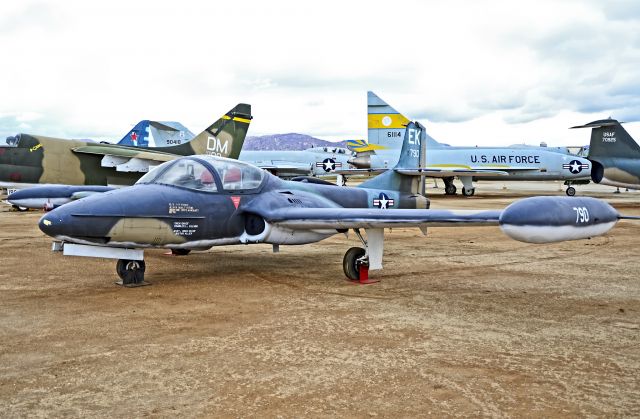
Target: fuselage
616	171
526	163
314	161
195	215
38	159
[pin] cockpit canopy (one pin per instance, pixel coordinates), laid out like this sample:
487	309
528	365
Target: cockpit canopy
218	173
11	141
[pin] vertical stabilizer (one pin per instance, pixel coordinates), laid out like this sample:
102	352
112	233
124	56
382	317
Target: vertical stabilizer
412	157
610	139
385	124
224	137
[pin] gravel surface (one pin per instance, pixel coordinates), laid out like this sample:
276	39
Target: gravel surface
464	322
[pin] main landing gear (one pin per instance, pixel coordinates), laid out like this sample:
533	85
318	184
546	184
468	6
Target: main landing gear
571	191
356	263
131	273
468	192
449	187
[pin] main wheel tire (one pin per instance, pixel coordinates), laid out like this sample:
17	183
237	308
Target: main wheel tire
571	191
450	189
180	252
130	271
350	263
468	192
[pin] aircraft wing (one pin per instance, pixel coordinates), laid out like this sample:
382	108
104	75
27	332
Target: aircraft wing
126	159
375	171
346	218
452	171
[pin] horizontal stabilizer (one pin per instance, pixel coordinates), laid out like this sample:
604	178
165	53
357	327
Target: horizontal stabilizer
599	124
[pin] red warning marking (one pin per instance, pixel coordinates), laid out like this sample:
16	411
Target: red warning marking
236	201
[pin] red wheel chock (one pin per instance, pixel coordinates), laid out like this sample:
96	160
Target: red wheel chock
363	274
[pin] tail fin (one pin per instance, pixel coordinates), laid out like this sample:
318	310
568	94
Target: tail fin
412	158
138	136
386	125
610	139
148	133
224	138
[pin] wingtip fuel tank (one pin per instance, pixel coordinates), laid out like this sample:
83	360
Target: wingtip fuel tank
549	219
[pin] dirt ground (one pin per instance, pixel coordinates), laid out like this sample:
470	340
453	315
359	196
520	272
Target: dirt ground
465	322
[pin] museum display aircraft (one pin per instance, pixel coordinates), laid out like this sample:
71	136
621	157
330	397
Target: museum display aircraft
315	161
148	133
194	203
28	160
517	162
614	154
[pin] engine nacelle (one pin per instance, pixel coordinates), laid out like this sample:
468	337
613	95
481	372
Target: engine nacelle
548	219
257	230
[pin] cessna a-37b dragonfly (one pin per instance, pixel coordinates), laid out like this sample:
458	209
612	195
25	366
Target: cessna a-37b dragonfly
194	203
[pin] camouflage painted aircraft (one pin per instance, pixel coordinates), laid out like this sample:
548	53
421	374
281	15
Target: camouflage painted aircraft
148	133
33	159
194	203
518	162
614	154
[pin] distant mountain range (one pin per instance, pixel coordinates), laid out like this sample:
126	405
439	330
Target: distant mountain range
291	141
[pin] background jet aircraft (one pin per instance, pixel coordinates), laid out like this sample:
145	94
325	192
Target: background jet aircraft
386	127
317	161
148	133
614	154
203	201
33	159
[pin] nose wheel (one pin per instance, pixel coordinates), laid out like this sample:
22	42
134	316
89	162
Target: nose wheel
131	273
571	191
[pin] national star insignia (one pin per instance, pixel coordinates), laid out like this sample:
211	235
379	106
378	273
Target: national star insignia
383	201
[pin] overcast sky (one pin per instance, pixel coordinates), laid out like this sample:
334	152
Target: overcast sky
474	72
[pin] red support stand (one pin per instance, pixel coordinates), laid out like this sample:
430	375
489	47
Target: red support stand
363	273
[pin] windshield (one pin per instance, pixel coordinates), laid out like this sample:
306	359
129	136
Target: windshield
185	173
235	175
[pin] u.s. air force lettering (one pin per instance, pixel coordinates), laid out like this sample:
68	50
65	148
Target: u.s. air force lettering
505	159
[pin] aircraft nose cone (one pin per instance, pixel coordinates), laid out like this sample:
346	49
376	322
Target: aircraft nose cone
52	224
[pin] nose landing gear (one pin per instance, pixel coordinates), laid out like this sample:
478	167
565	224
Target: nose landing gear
131	273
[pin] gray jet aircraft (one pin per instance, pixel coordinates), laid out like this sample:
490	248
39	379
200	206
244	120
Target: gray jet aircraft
614	154
316	161
517	162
